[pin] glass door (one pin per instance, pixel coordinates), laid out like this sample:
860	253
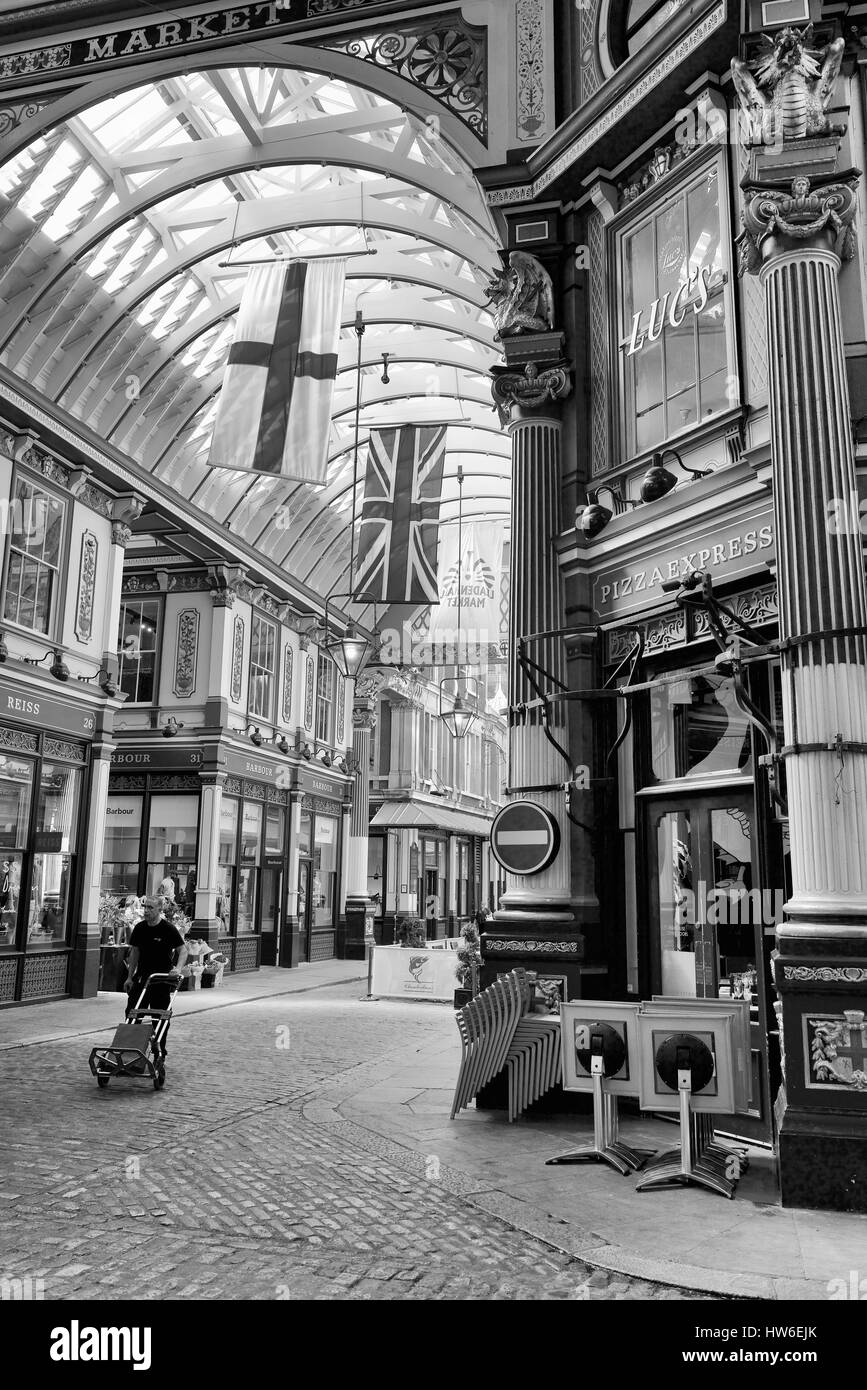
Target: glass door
272	881
304	909
711	922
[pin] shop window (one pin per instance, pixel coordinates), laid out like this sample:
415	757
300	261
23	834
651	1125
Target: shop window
16	783
324	870
171	848
248	869
325	690
697	729
227	862
53	843
120	858
274	831
137	648
35	550
676	343
263	667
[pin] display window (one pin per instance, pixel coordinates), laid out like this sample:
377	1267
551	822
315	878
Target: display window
172	845
39	821
676	337
697	729
120	860
325	841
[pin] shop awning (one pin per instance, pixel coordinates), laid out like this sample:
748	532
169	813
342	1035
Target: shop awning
417	815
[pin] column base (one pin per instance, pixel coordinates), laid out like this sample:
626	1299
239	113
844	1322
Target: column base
207	929
820	974
823	1159
356	930
548	942
83	978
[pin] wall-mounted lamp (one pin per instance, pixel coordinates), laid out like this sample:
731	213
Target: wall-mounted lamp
325	758
306	752
171	727
594	517
256	736
282	744
386	379
657	481
108	685
58	667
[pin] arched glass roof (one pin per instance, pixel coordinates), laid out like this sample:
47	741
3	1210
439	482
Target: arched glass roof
122	229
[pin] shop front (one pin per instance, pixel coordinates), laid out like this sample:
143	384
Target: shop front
703	842
251	870
426	861
318	859
44	791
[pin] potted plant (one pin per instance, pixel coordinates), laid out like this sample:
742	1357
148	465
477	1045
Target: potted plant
410	931
469	963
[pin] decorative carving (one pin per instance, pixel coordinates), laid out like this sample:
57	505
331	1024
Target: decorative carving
49	468
137	584
121	782
187	652
45	975
599	377
665	159
175	782
66	752
826	974
232	786
288	663
93	497
309	682
792	87
36	60
528	192
801	215
446	57
12	114
324	805
529	389
277	797
237	659
838	1049
225	582
254	791
19	742
363	718
121	535
340	697
86	587
495	946
522	297
530	33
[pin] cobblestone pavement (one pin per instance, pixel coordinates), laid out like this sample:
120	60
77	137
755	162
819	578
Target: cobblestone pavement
219	1186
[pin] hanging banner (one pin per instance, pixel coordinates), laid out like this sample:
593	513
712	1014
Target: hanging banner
274	413
397	546
478	578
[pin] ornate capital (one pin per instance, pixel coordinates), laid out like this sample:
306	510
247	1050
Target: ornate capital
363	718
127	508
224	581
120	534
776	221
531	388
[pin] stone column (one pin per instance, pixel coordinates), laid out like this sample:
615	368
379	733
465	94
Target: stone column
207	924
84	972
536	921
795	237
123	511
358	905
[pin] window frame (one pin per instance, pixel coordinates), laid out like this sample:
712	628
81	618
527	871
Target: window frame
268	715
635	215
58	593
325	663
158	646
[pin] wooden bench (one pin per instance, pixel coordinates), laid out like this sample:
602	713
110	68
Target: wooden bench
498	1031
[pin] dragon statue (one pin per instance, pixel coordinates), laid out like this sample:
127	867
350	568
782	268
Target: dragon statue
522	297
792	87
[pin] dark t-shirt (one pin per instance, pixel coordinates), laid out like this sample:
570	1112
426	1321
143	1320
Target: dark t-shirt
156	946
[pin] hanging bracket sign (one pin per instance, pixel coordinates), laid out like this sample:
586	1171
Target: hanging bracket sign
525	838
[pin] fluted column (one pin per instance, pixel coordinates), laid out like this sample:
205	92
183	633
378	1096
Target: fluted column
794	240
358	906
207	924
536	923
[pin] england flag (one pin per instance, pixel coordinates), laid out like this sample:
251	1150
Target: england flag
274	414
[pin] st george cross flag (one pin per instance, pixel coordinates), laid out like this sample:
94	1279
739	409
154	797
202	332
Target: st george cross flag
274	414
397	547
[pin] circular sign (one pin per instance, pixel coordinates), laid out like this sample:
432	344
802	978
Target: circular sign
525	837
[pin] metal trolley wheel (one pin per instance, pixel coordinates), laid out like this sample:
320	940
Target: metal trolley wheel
102	1080
159	1078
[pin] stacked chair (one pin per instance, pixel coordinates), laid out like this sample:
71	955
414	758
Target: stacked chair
498	1031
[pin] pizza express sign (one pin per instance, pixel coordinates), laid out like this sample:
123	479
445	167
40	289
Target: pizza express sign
629	589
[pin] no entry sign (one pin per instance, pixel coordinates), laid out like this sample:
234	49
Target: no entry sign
525	837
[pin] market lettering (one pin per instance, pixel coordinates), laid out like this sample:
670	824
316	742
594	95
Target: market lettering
671	307
128	43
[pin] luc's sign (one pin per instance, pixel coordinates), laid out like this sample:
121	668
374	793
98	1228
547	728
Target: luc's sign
672	308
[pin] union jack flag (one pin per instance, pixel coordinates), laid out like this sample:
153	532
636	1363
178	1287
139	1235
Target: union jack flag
399	538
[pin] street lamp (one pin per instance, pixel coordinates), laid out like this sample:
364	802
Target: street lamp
460	718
